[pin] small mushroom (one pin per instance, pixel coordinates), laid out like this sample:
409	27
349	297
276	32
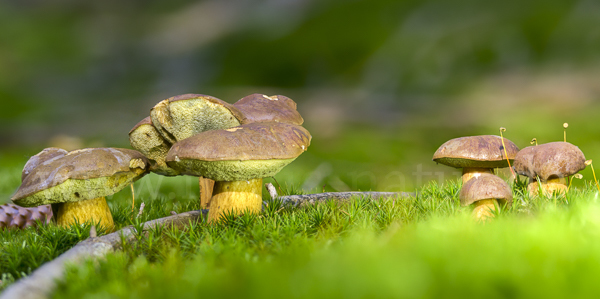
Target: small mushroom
76	183
183	116
237	159
484	193
551	163
475	154
262	108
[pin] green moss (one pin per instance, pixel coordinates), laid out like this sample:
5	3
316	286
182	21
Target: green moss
231	170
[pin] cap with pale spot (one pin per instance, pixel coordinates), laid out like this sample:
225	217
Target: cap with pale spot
262	108
47	155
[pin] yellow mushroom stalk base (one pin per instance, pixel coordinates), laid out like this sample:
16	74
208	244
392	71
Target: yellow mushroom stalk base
558	186
471	172
237	197
91	210
483	209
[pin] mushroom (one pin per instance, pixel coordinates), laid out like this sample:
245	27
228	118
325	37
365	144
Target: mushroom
262	108
475	154
551	163
237	159
145	138
484	193
183	116
18	217
76	183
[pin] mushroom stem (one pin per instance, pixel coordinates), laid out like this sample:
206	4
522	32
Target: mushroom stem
482	209
91	210
558	185
471	172
237	197
206	191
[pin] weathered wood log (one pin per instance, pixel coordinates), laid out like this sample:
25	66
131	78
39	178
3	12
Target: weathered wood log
301	200
42	281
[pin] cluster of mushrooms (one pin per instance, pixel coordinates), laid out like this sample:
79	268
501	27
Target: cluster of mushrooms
547	166
236	146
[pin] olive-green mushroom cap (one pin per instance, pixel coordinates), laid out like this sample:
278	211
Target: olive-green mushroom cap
80	175
485	151
47	155
262	108
557	160
246	152
145	138
523	163
183	116
485	186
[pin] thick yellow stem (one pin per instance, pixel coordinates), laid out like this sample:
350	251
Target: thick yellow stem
236	197
551	186
483	209
469	173
91	210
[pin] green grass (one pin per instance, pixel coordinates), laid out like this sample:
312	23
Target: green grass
426	246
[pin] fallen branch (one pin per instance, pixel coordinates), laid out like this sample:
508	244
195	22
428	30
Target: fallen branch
301	200
42	281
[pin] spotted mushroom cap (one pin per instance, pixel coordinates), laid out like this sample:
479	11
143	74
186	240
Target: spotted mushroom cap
47	155
13	216
485	151
255	150
183	116
80	175
557	160
486	186
145	138
262	108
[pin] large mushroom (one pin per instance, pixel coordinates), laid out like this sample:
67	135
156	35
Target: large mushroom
551	163
484	193
476	154
75	184
237	159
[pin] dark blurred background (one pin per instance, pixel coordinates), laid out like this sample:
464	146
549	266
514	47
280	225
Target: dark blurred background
381	84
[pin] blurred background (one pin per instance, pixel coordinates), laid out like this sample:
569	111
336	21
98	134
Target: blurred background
380	84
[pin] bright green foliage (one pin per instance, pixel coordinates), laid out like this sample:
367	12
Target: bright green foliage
420	247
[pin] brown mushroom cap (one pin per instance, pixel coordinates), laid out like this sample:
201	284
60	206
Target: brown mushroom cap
261	108
485	151
523	163
557	160
485	186
145	138
47	155
183	116
249	151
80	175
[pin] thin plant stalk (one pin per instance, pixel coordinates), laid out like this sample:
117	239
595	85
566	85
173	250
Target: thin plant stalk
506	154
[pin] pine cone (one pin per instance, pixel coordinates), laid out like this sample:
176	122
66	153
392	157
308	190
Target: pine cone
15	216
